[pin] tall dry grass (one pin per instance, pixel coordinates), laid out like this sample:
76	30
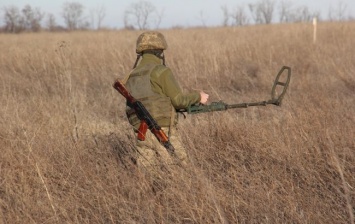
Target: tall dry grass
66	147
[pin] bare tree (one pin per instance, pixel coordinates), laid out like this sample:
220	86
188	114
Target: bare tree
72	14
140	15
339	13
202	19
12	19
285	11
262	11
225	15
51	22
239	17
289	14
32	18
158	18
97	16
27	17
255	13
302	14
305	15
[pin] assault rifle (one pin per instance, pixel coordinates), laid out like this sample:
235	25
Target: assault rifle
275	100
147	121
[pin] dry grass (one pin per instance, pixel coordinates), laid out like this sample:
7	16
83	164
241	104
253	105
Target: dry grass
66	146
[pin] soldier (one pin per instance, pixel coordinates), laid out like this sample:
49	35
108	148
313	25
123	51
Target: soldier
152	83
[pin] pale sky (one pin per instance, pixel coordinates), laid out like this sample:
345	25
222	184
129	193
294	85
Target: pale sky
175	12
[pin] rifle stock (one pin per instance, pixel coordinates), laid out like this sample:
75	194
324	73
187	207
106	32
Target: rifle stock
147	121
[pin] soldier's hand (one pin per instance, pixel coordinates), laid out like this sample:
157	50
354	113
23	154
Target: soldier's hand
204	97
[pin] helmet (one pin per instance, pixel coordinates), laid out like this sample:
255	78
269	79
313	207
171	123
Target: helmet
151	40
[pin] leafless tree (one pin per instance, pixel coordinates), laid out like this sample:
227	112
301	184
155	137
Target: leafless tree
32	18
72	14
285	11
225	15
158	18
28	19
339	13
51	22
12	19
239	17
289	14
202	19
140	15
302	14
262	11
97	16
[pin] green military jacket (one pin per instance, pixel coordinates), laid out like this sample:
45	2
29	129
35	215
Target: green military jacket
164	96
163	82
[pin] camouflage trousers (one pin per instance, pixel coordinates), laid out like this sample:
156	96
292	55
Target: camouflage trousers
152	155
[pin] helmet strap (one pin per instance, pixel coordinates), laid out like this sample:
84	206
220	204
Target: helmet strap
138	57
163	58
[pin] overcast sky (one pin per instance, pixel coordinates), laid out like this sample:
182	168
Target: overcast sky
175	12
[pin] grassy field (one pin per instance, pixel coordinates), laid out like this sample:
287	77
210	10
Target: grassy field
66	146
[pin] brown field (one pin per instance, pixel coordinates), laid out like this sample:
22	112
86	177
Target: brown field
66	145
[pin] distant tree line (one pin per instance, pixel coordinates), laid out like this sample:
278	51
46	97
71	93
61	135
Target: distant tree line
144	15
29	19
282	11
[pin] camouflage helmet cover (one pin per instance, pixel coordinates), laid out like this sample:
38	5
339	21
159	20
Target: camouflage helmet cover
151	40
